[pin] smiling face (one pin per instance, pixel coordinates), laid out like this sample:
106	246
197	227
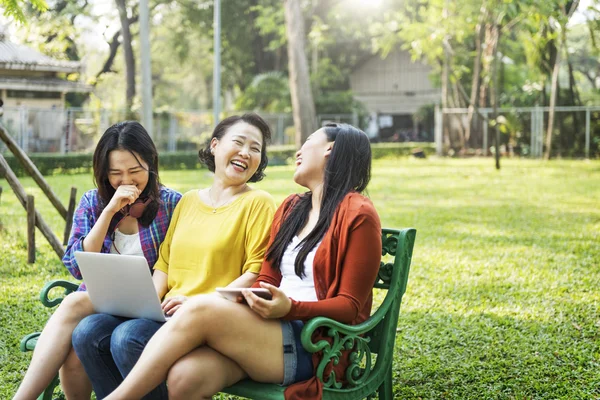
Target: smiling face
124	169
237	153
311	159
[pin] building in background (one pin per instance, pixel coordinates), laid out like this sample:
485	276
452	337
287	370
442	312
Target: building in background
33	88
394	90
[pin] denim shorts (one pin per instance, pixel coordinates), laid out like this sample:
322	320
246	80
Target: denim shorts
297	362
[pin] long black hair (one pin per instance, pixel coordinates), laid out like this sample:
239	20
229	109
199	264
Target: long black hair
132	137
347	169
208	159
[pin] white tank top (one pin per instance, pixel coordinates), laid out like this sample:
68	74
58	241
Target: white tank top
294	287
127	244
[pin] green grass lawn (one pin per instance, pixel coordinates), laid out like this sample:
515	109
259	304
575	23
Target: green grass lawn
503	294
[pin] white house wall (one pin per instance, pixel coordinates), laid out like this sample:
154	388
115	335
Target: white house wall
394	85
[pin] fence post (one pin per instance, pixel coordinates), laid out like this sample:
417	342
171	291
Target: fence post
104	121
485	134
172	128
437	133
587	133
68	131
24	125
280	133
30	229
540	132
70	212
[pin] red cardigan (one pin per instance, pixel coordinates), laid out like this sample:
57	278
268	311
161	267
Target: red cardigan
345	268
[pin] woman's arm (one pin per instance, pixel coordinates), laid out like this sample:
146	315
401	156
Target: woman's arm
258	228
160	280
268	274
164	251
83	221
125	194
244	281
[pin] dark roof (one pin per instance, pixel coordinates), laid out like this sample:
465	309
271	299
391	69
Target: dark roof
18	57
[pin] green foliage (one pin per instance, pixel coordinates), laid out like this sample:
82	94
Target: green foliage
49	164
14	8
502	296
268	92
338	102
270	22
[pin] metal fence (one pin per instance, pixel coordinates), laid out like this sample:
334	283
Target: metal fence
77	129
576	131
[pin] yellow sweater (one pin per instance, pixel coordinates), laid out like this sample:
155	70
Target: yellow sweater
204	250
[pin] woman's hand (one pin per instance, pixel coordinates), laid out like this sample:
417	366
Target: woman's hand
279	306
124	195
171	305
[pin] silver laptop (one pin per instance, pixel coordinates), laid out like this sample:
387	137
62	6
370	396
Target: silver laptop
120	285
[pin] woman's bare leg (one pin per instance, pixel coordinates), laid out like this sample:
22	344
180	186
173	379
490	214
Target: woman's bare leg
232	329
202	373
73	379
53	345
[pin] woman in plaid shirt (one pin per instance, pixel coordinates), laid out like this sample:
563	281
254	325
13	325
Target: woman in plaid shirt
128	213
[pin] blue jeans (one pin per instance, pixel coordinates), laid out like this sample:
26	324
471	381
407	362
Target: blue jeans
109	346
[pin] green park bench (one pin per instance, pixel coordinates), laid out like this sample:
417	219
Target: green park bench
372	342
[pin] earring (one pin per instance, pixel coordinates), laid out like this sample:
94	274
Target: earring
212	151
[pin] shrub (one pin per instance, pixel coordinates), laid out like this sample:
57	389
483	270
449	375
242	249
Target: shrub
75	163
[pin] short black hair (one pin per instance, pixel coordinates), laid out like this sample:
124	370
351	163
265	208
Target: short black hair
208	159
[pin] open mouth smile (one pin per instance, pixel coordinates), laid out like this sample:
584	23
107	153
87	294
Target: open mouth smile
240	164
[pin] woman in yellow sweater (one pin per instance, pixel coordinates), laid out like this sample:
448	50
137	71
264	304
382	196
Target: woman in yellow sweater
217	237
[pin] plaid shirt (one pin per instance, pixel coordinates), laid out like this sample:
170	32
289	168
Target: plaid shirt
88	212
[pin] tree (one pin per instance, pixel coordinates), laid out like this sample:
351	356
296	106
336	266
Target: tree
14	8
129	56
563	19
303	106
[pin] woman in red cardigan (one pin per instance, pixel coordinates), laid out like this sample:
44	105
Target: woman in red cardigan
323	260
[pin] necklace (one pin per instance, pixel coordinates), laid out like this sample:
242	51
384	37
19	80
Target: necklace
231	198
212	204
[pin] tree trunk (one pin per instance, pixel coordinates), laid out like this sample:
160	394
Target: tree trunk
113	46
445	89
129	57
495	36
553	90
459	123
574	93
555	70
479	37
487	65
303	105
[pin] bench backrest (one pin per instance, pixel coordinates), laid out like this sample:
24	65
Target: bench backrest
393	276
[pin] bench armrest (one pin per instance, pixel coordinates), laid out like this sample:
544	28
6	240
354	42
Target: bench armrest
342	337
45	293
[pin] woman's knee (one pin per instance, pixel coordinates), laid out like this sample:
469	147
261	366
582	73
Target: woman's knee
187	379
84	331
76	306
199	310
132	334
92	329
201	374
